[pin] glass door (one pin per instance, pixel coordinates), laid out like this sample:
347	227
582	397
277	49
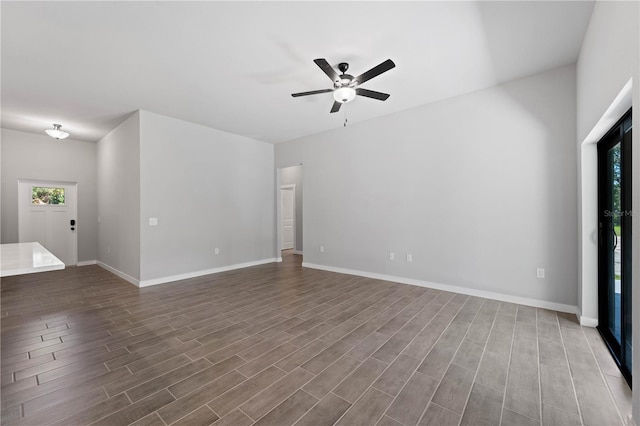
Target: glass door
614	242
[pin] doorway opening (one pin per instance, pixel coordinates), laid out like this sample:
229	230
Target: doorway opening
289	208
287	217
614	243
47	212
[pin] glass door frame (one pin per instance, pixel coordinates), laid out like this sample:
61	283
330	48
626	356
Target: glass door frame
608	239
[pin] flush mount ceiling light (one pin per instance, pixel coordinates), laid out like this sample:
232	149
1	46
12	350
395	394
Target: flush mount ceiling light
345	86
56	133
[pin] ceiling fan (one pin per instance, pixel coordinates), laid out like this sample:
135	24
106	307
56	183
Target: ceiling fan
345	86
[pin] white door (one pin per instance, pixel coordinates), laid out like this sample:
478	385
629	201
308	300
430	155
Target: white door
47	215
287	216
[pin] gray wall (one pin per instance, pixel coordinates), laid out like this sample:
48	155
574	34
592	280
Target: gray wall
293	176
208	189
119	198
480	189
33	156
610	55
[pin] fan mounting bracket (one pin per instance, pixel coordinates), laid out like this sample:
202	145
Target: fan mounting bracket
343	67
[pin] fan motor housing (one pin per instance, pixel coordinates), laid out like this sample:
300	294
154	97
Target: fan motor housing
345	80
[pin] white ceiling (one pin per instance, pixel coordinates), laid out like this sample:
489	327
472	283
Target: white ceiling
233	65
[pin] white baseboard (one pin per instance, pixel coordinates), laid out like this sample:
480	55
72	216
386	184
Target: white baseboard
86	263
278	259
122	275
586	321
297	252
452	288
162	280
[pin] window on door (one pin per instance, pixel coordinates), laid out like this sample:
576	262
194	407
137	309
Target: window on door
47	195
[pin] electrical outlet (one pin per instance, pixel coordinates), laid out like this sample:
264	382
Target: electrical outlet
409	257
540	272
321	249
153	221
216	250
392	256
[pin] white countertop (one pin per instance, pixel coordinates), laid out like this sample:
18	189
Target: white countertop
26	258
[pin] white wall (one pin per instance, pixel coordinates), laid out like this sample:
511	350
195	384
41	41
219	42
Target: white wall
119	199
609	57
480	189
39	157
208	189
293	176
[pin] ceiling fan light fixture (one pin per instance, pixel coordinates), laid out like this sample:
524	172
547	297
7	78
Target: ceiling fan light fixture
56	132
344	94
345	86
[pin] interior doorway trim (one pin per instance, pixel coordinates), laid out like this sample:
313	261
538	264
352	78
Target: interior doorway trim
278	223
588	235
289	187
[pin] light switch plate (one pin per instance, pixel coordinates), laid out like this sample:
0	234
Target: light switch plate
153	221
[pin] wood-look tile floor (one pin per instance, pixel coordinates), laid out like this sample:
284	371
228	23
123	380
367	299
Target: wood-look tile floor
278	344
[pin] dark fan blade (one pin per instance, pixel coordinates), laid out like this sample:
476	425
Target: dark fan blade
375	71
313	92
336	106
372	94
328	69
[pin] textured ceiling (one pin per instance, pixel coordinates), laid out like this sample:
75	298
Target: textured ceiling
233	65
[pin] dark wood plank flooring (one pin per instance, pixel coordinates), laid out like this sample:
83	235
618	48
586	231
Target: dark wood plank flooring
278	344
